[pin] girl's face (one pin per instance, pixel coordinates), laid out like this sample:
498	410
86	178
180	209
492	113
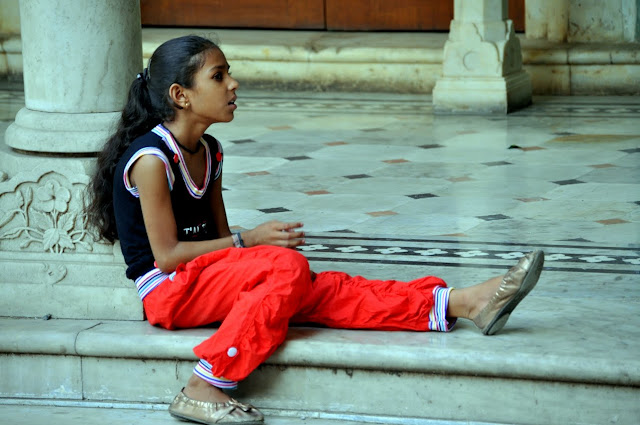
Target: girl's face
213	94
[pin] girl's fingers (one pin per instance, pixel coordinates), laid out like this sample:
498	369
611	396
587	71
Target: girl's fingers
289	235
280	234
288	227
290	238
292	243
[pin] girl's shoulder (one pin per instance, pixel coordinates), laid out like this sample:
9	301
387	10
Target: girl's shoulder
147	142
150	139
213	143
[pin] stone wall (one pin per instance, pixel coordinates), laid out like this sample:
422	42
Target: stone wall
583	21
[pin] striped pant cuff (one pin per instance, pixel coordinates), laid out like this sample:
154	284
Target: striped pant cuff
438	320
203	370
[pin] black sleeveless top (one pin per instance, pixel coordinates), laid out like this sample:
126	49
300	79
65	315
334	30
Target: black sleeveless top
191	204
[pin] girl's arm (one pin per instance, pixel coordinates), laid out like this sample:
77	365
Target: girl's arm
149	176
219	212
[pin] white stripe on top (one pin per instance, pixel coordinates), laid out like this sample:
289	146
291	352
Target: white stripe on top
192	187
146	151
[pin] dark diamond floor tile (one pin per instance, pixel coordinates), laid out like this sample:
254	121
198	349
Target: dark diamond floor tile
432	146
422	195
632	150
297	158
576	240
274	210
493	217
496	163
358	176
566	182
240	141
611	221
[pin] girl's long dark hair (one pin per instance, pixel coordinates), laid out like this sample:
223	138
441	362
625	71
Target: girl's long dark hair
148	104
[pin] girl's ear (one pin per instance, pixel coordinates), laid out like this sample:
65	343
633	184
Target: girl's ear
178	95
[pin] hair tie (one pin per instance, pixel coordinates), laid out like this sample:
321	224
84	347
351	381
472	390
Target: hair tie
144	75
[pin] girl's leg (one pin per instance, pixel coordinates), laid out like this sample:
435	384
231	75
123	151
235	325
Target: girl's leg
253	291
342	301
339	300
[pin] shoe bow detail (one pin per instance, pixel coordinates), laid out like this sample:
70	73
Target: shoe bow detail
236	404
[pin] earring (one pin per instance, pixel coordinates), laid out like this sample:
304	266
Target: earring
186	105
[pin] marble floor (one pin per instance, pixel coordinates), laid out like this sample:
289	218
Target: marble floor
379	180
386	188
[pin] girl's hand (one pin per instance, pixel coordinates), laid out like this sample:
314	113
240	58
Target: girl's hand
275	233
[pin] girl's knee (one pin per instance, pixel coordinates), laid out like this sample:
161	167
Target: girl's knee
293	267
287	258
298	260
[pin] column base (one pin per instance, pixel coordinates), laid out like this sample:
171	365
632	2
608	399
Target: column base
482	95
56	132
51	261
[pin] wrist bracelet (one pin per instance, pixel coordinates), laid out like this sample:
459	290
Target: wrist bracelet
237	240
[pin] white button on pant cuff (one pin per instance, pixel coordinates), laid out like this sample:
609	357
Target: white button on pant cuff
231	352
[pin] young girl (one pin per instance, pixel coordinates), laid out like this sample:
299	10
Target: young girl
158	190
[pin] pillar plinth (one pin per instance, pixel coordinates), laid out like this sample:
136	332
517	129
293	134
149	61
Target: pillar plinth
482	67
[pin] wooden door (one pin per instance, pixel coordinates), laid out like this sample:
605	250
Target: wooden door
274	14
401	15
398	15
339	15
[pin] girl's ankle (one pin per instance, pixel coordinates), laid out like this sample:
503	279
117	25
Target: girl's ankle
199	389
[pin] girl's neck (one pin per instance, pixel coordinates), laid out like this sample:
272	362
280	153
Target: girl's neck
187	134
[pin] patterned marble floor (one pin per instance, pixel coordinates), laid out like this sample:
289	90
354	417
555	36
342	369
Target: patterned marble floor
380	179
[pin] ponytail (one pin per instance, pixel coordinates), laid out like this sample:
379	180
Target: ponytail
148	104
137	119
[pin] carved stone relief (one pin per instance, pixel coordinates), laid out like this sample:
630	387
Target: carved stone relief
44	215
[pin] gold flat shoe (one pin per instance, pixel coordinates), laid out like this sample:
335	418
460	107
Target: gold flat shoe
516	284
205	412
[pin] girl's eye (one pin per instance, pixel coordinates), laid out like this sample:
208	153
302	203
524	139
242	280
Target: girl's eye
217	76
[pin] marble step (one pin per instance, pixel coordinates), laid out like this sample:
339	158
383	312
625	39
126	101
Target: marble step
378	377
119	414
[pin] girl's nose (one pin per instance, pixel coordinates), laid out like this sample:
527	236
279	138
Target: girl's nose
234	84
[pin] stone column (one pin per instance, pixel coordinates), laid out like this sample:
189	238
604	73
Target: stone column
482	67
78	60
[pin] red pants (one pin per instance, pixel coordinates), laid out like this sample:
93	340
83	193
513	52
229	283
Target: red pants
256	292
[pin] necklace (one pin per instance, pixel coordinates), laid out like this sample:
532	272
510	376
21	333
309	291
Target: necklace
194	151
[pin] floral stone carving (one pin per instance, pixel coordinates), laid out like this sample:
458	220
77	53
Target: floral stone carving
46	216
